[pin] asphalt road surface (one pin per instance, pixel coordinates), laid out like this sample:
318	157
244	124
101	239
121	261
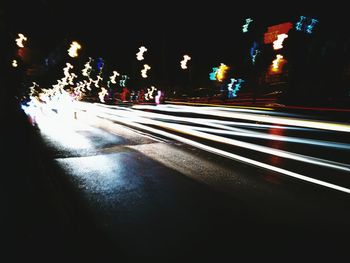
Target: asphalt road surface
137	195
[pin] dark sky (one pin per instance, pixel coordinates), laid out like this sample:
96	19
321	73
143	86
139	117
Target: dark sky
209	31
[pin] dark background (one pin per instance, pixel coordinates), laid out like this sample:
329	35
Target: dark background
210	32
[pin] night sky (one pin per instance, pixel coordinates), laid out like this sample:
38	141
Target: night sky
209	32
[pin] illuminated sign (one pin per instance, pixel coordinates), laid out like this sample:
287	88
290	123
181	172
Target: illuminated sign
273	31
277	44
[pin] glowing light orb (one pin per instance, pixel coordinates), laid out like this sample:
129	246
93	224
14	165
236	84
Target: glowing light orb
212	75
73	50
144	70
184	61
139	55
277	44
112	78
221	73
20	39
277	64
87	68
306	24
14	63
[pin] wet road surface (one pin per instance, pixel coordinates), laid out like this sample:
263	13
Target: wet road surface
155	198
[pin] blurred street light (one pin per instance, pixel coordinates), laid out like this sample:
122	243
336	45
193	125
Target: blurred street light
246	25
20	39
14	63
73	50
139	55
144	70
221	73
184	61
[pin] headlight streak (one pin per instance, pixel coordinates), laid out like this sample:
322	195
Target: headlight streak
130	122
221	125
265	136
277	120
185	129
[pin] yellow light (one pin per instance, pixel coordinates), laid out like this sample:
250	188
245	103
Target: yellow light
112	78
73	50
220	75
277	64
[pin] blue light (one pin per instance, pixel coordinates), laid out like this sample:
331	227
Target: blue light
300	23
212	75
100	63
310	27
254	52
232	92
306	24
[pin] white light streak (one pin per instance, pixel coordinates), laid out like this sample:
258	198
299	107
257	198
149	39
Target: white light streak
131	119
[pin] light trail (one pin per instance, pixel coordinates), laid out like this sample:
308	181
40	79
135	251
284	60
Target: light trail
131	122
212	130
264	149
332	126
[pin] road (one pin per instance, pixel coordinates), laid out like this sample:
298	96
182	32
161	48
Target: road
205	183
